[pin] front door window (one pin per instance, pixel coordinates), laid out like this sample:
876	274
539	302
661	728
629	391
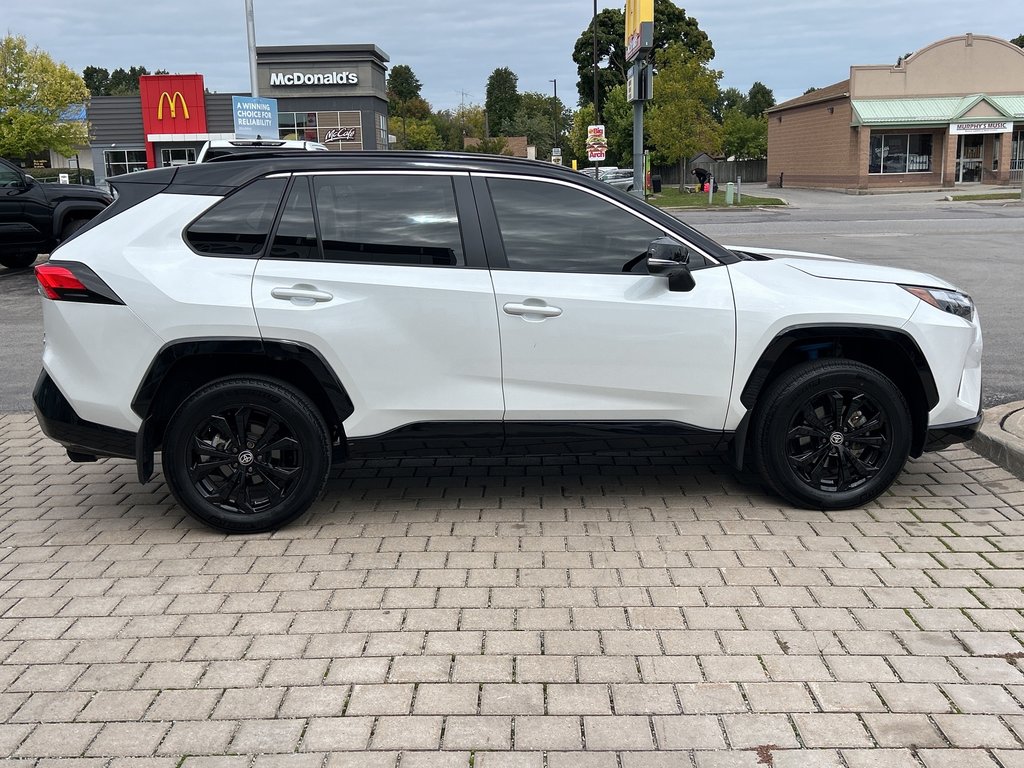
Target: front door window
968	159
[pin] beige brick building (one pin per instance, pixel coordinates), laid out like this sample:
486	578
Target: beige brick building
950	114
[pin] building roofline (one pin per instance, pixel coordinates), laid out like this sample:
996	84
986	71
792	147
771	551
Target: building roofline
292	49
814	97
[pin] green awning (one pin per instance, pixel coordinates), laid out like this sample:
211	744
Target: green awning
936	110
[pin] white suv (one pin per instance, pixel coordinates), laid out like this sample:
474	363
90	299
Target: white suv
257	319
211	150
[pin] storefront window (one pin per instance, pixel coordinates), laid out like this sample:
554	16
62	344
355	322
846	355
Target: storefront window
338	130
382	131
177	156
900	153
1017	156
119	161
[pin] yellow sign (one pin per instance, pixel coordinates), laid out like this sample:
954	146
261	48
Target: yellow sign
172	102
637	12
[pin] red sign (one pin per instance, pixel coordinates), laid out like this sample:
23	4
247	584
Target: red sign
173	104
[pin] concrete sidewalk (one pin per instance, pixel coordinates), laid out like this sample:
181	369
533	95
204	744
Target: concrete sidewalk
1001	437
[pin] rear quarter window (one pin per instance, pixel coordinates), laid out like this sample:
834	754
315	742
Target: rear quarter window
239	225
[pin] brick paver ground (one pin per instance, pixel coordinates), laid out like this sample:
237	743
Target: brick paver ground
596	612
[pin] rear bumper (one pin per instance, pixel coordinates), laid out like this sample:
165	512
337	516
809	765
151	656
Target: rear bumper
945	435
84	439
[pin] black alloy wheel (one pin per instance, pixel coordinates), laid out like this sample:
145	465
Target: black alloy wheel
244	459
831	434
838	440
246	454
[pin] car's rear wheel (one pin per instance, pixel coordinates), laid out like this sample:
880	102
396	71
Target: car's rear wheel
831	434
17	260
246	454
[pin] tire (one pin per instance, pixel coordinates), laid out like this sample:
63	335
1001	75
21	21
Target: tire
831	434
255	487
71	226
17	260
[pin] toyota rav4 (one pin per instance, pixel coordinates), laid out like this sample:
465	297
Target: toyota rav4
259	318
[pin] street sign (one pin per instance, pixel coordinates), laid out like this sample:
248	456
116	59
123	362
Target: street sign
597	143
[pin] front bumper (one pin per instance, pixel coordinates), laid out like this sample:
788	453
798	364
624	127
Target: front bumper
83	439
945	435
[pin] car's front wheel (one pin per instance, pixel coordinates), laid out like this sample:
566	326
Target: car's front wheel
831	434
246	454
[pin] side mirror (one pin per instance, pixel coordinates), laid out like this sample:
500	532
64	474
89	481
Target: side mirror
671	259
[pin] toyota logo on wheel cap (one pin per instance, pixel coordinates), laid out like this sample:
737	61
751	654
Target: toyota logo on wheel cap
245	458
836	438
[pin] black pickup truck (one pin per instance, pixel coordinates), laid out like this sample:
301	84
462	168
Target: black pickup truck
35	217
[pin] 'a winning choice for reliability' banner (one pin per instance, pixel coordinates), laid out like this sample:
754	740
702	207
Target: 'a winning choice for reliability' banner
254	117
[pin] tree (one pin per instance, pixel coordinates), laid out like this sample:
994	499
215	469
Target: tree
812	89
403	85
618	127
759	99
503	98
680	119
421	134
671	26
405	103
540	118
744	136
730	98
1018	41
35	91
120	82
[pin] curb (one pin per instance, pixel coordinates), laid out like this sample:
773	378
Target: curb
996	443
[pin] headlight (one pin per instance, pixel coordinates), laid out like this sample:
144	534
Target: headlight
954	302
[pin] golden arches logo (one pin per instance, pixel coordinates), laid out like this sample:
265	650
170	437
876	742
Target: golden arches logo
172	102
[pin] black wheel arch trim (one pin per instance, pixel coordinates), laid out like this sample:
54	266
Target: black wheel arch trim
275	350
68	210
788	337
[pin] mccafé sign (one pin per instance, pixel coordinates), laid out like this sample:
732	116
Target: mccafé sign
173	104
314	78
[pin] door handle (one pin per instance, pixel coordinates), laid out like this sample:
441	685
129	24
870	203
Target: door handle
300	292
541	310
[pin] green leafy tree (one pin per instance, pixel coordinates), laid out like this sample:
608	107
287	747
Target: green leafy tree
540	118
730	98
503	100
744	136
422	134
1018	41
35	91
576	141
406	103
618	127
403	85
680	119
120	82
671	26
759	99
812	89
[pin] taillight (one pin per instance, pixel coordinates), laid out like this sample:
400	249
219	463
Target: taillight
72	281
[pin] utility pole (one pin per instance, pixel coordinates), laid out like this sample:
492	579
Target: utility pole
250	25
554	112
597	110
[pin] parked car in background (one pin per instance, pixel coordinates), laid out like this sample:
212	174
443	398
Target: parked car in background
288	311
620	178
211	150
35	217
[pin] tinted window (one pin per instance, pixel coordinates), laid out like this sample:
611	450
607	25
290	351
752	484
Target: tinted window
9	177
398	219
239	224
554	228
296	232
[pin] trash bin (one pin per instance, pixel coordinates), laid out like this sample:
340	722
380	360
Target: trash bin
655	183
730	190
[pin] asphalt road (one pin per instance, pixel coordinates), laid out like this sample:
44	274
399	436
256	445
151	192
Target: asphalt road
977	246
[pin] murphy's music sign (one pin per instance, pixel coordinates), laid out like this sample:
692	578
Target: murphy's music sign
173	104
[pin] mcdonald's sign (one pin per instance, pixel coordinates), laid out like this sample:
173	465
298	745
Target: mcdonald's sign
173	104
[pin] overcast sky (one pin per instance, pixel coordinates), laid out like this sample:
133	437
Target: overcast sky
453	45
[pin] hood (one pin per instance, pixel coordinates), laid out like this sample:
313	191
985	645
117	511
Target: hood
58	191
835	268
